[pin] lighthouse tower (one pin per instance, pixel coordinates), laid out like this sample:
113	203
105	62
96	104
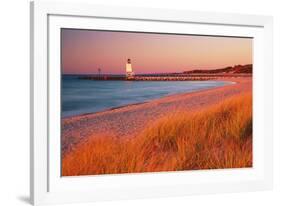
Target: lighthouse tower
129	70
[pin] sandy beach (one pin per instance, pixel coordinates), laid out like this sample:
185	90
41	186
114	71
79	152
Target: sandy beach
128	121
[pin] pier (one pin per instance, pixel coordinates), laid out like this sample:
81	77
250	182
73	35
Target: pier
171	77
193	75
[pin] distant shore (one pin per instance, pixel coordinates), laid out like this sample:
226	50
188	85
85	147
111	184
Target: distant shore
126	122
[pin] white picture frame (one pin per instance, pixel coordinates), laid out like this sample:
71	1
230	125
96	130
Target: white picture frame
47	186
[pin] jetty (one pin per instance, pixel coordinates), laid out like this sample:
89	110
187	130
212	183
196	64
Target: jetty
179	77
237	71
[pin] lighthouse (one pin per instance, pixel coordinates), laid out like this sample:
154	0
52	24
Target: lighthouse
129	70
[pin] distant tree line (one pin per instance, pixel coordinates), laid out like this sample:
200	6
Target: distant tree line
237	69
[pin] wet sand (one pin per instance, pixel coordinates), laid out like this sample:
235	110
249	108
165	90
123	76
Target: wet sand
128	121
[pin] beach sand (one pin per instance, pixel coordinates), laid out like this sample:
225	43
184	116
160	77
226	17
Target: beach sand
128	121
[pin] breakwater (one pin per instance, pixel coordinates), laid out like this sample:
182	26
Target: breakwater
193	77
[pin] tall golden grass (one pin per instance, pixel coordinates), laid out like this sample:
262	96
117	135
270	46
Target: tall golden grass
218	136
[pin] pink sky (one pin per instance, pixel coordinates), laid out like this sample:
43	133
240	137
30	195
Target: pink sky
84	51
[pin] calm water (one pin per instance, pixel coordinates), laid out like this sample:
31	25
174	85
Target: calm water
86	96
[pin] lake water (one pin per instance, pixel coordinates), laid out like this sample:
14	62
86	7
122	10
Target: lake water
87	96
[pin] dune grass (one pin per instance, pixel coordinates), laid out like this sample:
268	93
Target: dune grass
215	137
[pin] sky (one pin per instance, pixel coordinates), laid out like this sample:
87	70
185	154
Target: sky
84	51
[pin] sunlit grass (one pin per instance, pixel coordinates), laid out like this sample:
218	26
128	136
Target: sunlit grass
215	137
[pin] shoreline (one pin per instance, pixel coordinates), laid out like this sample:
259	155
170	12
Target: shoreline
144	102
127	121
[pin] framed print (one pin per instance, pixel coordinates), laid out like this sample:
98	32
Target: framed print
136	103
